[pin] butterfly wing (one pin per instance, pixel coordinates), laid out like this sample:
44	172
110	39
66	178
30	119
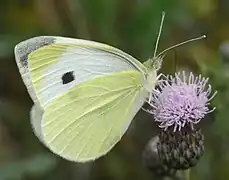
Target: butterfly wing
45	61
22	51
42	61
36	115
85	122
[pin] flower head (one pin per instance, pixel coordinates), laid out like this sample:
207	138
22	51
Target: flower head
181	100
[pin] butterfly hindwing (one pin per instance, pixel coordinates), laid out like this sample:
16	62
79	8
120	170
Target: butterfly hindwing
85	122
36	115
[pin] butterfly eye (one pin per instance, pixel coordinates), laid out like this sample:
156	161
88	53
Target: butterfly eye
68	77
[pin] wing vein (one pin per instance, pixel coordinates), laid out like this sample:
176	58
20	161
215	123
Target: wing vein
124	97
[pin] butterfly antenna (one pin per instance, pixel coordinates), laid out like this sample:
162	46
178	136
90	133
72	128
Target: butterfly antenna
182	43
159	34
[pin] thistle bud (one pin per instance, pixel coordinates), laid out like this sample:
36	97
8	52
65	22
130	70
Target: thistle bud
180	150
152	161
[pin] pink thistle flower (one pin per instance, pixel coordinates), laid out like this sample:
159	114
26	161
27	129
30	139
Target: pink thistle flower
182	100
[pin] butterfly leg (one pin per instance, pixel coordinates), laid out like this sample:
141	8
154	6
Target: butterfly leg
162	75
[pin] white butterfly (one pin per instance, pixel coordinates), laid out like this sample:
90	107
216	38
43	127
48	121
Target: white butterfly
85	93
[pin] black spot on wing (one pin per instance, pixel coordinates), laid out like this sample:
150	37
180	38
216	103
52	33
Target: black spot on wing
26	47
68	77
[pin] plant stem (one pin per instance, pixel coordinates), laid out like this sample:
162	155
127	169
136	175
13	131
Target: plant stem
187	174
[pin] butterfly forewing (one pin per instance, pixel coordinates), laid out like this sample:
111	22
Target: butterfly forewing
49	58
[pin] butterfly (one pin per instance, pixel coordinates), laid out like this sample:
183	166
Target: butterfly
85	93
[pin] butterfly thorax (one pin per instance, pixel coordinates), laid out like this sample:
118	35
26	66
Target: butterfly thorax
152	65
151	78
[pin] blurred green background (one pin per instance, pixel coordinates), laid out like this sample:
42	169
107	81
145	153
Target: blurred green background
130	25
